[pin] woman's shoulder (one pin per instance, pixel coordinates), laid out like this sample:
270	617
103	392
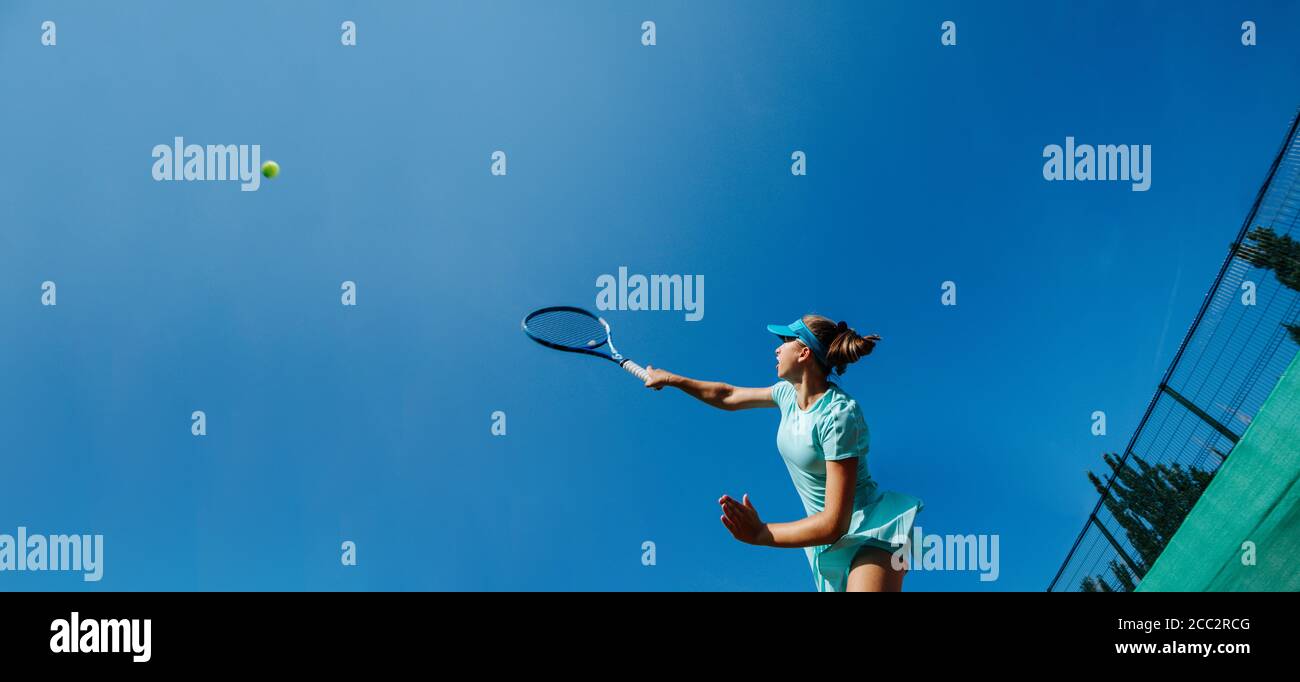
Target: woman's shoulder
841	407
839	400
841	428
782	393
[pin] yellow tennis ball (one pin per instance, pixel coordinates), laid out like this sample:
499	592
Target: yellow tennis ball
270	169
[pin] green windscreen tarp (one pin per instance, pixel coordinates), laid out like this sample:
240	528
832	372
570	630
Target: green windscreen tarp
1254	497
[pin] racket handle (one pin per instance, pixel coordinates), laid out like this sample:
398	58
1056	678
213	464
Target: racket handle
636	370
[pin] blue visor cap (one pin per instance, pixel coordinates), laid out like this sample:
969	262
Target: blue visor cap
799	330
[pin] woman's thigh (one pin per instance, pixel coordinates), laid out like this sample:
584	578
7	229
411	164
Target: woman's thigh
872	571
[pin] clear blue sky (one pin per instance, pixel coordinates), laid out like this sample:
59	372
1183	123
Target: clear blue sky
372	423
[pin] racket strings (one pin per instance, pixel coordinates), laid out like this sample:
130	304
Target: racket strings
567	328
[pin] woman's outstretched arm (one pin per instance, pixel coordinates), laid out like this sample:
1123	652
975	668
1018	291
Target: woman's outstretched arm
715	393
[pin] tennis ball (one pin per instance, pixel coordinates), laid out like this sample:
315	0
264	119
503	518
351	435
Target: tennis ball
270	169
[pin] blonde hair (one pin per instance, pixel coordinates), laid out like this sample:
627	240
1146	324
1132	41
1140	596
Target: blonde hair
844	346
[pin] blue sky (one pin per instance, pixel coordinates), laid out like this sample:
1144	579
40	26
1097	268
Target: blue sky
372	423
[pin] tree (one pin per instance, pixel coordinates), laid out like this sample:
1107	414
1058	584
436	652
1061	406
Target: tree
1281	254
1149	503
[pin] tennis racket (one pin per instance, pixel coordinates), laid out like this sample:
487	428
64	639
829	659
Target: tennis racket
575	330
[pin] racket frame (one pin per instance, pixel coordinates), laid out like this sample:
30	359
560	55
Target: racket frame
613	354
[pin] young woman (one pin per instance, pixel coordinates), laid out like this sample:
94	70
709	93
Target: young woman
852	529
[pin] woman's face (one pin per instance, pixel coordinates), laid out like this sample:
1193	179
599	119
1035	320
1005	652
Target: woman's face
787	357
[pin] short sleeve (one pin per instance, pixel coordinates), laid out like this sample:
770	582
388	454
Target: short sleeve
844	432
782	394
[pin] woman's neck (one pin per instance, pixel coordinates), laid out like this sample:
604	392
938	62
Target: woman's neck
809	389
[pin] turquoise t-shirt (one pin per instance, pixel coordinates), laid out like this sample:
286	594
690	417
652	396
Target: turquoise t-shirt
832	429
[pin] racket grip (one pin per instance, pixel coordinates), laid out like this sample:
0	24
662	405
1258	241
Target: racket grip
636	370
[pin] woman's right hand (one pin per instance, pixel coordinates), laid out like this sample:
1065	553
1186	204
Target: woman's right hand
658	378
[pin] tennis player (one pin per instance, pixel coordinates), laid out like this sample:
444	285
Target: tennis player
852	527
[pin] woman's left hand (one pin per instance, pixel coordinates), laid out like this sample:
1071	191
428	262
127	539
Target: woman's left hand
741	518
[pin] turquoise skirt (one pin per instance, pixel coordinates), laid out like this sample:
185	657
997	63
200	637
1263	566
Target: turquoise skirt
885	523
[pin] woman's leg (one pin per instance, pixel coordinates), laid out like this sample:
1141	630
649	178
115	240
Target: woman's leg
872	571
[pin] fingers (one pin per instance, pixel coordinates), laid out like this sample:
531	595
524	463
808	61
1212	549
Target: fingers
728	505
738	514
729	512
650	380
